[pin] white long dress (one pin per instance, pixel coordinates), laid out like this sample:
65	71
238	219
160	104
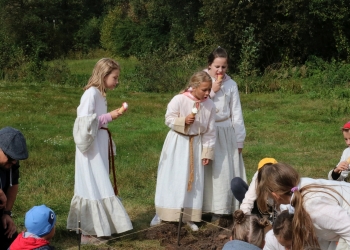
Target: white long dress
94	203
228	162
174	164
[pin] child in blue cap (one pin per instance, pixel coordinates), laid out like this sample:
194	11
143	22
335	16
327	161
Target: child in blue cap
40	224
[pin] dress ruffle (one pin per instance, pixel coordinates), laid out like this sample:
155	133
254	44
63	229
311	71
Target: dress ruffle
98	217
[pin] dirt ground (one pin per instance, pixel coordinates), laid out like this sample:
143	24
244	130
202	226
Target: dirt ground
212	237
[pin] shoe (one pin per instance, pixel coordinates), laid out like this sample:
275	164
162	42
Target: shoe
156	221
193	226
90	240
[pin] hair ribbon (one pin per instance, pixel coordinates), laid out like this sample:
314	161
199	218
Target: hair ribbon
294	189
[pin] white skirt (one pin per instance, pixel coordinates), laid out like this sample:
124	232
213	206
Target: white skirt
228	163
94	203
173	175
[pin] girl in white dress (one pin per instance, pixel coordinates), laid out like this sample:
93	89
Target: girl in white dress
188	148
321	207
230	134
95	203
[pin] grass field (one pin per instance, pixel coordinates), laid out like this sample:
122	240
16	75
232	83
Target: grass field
295	129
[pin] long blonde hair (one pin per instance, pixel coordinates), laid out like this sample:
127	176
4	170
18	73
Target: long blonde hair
102	68
280	178
196	80
249	228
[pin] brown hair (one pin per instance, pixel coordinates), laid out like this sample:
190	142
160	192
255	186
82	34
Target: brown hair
249	228
283	225
280	178
218	52
102	68
196	79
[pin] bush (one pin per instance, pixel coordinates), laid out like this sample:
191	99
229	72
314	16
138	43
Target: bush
156	73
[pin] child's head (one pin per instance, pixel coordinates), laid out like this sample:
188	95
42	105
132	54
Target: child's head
104	75
276	181
281	181
346	133
199	85
282	229
218	62
249	228
40	220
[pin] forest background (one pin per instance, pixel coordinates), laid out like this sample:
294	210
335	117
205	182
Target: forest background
170	39
289	58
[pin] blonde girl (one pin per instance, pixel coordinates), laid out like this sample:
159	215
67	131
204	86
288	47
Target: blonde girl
95	204
247	232
188	148
321	210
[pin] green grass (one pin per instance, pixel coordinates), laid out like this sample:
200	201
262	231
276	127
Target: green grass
295	129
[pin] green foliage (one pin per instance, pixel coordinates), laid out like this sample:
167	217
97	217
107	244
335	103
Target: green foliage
87	37
328	74
59	73
293	128
249	55
157	74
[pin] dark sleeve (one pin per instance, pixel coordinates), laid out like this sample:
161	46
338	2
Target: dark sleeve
15	174
335	175
46	247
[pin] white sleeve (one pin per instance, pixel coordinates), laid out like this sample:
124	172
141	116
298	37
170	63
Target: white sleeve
237	117
340	178
172	116
271	242
84	131
250	196
329	217
86	124
87	103
209	137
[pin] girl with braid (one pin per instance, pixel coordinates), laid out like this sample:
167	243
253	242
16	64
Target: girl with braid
321	208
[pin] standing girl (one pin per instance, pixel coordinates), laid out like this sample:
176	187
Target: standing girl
188	147
230	133
321	207
95	203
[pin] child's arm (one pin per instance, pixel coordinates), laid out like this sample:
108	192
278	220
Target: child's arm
237	117
335	174
209	136
172	117
250	196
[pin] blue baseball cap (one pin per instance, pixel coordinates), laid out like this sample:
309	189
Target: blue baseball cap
40	220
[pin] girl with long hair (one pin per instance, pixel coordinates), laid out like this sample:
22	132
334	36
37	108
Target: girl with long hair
321	208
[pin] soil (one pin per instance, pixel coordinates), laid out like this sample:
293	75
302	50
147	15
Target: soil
212	237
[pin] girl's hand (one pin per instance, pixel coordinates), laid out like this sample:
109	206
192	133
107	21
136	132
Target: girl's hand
115	114
205	161
216	85
190	119
240	150
341	167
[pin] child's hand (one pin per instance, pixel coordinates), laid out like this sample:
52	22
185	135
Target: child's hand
115	114
217	85
341	167
190	119
205	161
